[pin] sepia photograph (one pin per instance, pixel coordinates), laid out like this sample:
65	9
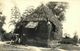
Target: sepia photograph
39	25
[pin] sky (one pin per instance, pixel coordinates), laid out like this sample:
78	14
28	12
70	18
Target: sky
70	25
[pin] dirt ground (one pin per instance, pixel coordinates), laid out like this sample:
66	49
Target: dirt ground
63	47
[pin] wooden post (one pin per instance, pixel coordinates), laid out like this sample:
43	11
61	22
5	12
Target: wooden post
49	32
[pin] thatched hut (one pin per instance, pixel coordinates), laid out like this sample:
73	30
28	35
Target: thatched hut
40	28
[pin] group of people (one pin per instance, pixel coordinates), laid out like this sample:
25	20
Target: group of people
17	39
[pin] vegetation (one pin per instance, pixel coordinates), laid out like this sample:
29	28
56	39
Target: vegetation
68	40
2	22
15	15
58	9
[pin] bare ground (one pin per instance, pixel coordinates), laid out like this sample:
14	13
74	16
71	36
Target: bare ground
63	47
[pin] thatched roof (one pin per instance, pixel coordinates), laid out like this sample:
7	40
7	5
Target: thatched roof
43	13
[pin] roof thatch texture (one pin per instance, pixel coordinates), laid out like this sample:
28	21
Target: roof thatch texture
43	13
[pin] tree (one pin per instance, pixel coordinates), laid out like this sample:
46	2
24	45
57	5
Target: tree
15	16
2	22
75	38
58	9
27	12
